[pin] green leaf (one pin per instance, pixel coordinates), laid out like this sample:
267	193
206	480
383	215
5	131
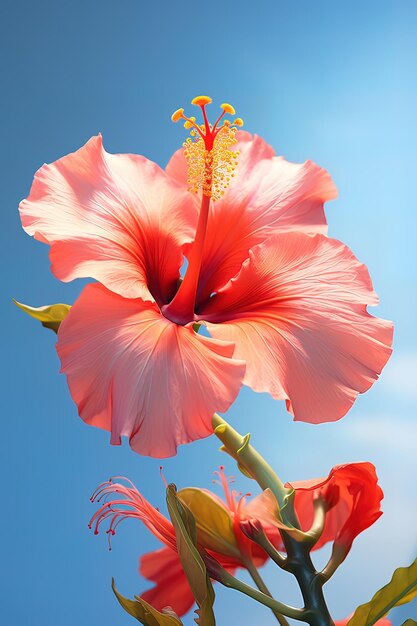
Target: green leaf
144	612
191	560
402	588
409	622
50	315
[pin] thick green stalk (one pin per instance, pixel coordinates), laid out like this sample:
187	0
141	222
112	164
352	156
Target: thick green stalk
255	465
310	581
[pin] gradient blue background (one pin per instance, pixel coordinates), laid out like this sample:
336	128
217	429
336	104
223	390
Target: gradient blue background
330	81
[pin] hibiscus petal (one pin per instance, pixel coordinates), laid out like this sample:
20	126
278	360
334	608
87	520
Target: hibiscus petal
297	314
357	499
164	568
267	195
133	372
117	218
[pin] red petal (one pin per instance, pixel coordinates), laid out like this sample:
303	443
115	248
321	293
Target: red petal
164	568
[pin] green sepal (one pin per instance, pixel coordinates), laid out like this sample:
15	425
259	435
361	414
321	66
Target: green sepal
191	560
401	589
144	612
50	315
213	522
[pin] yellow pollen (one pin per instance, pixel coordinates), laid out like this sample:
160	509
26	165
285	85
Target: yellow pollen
177	115
227	108
238	121
210	170
201	100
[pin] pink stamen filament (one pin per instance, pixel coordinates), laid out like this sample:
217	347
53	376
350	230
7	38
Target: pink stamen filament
228	494
161	472
132	505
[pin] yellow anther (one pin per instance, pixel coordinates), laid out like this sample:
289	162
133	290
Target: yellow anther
227	108
201	100
189	123
177	115
238	121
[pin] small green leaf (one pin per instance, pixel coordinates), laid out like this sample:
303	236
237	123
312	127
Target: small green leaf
191	560
50	315
402	588
409	622
144	612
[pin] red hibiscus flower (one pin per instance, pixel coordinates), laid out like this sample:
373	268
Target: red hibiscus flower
218	525
285	306
353	499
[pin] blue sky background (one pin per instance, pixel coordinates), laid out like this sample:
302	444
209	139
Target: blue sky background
330	81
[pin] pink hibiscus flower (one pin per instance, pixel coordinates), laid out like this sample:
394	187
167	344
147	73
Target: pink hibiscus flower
285	305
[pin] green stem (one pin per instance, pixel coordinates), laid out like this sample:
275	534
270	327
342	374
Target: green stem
257	579
257	534
226	579
337	557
